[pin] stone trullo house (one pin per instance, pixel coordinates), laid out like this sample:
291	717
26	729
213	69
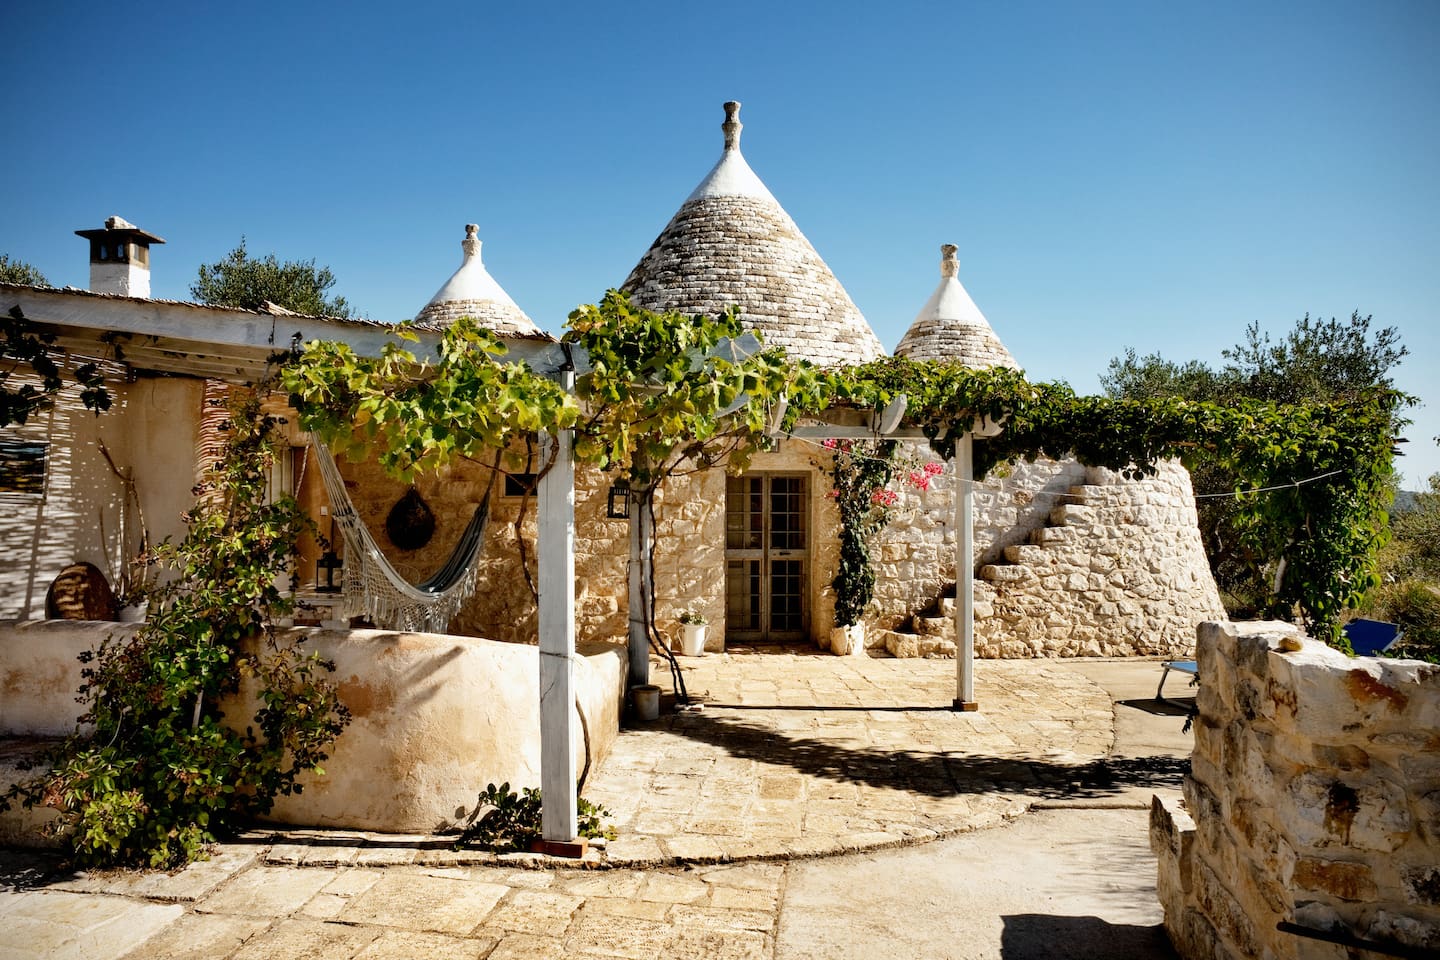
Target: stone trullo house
1073	560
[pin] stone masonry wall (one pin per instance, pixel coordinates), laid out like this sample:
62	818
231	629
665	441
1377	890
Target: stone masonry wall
689	559
916	551
1314	798
1120	571
1073	561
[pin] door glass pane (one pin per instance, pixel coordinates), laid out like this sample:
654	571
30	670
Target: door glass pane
787	513
742	595
787	589
744	512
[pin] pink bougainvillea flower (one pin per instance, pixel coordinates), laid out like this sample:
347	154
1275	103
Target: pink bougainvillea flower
934	468
829	444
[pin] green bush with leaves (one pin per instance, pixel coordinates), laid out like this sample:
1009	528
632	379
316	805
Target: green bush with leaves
1311	479
165	772
504	820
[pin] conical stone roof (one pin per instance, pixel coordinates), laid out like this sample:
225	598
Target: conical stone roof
732	243
472	292
951	327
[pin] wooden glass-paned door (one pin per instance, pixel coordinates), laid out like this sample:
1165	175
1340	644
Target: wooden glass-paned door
767	543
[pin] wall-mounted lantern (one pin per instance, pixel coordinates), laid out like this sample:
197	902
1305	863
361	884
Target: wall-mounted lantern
618	505
329	562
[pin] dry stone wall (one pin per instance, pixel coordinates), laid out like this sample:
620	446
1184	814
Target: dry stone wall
1073	561
1119	571
916	551
1314	799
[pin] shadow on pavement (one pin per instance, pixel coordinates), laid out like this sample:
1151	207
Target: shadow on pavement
1037	936
22	869
927	773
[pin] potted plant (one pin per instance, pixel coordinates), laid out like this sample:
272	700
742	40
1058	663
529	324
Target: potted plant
692	633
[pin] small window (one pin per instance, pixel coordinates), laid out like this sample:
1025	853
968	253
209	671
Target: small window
22	466
516	484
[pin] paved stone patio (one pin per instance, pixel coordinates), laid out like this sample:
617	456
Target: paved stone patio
794	755
798	753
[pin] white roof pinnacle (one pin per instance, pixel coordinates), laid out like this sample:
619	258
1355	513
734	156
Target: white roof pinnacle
951	327
732	176
951	301
471	291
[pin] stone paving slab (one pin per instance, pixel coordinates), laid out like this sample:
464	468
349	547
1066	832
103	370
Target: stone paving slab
726	911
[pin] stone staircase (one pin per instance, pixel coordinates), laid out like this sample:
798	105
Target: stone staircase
932	632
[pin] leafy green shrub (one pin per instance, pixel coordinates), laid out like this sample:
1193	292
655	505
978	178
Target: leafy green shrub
162	774
504	820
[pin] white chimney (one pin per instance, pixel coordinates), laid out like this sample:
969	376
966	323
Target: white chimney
120	258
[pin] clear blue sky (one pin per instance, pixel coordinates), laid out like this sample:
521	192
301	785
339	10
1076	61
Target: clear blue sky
1144	175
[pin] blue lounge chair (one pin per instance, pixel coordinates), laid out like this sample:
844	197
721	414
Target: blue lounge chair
1369	638
1180	666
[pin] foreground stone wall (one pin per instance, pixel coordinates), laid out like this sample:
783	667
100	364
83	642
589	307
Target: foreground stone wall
1314	798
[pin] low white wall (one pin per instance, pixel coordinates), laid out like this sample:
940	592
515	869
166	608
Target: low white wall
434	718
1314	798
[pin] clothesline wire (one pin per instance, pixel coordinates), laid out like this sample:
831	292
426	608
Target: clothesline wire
1045	493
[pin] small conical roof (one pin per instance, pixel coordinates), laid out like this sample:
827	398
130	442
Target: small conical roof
472	292
951	327
732	243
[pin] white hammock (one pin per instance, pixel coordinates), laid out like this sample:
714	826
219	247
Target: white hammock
376	589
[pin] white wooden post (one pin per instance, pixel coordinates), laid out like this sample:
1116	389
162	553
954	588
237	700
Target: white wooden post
639	600
557	637
964	575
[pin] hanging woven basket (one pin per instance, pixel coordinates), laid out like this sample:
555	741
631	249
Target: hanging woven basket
410	524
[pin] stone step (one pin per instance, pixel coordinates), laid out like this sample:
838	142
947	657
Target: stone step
935	627
983	593
1025	553
1084	491
1068	514
909	645
1005	572
1046	535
